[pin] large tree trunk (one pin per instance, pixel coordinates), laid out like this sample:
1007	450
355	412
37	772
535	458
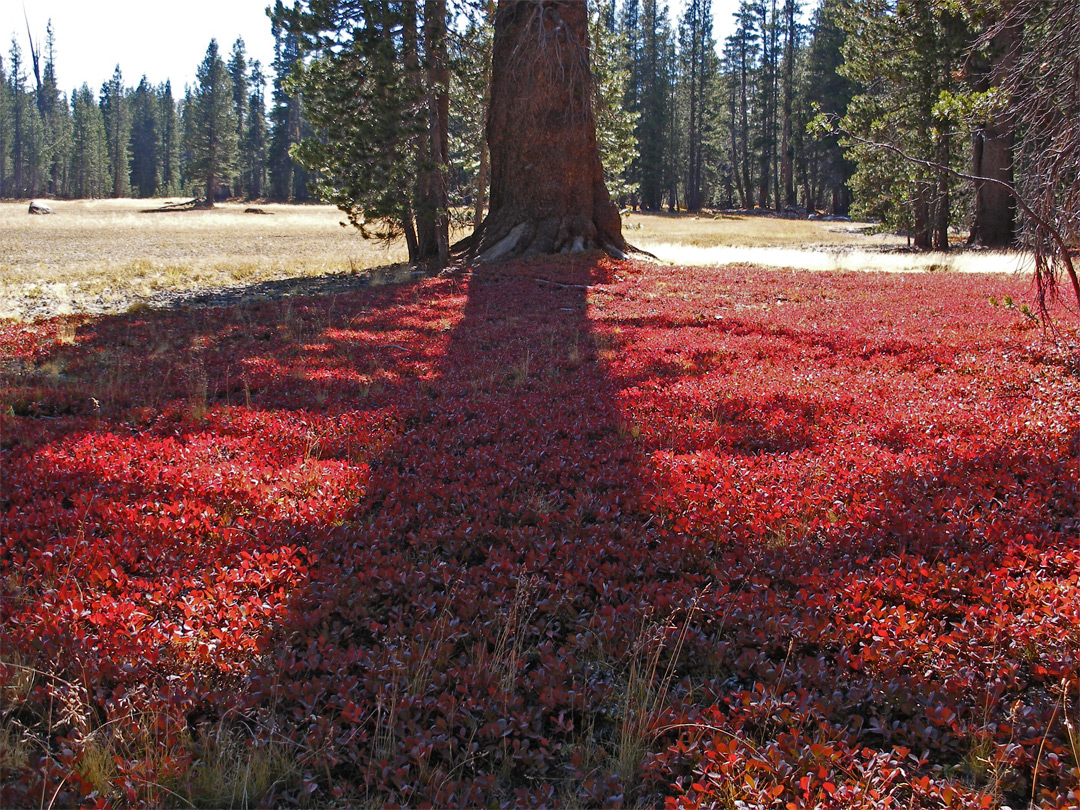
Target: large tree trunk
994	223
547	184
432	206
481	187
435	239
787	150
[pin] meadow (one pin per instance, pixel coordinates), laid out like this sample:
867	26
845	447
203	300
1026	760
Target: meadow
106	256
563	532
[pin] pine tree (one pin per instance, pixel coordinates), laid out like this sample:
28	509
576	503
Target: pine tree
117	115
56	121
210	131
696	58
629	31
787	144
380	103
145	141
29	156
904	57
90	154
826	91
288	179
17	91
614	123
238	75
654	86
547	185
470	57
255	139
169	149
766	95
6	133
741	54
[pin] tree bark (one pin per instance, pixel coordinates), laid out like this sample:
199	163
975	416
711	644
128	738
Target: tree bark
995	209
435	201
481	187
922	228
547	185
994	223
787	151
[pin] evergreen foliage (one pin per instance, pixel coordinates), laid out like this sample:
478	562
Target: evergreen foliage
368	109
381	108
374	86
210	125
904	57
238	75
169	150
6	131
90	154
288	179
255	140
614	123
126	141
115	111
145	140
826	91
696	73
470	58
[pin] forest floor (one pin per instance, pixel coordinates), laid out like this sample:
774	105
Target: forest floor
565	531
106	256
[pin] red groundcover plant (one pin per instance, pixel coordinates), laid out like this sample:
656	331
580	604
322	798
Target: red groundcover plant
560	532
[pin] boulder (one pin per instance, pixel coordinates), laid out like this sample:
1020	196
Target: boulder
40	208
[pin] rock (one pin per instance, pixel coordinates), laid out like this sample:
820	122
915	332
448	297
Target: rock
256	211
40	208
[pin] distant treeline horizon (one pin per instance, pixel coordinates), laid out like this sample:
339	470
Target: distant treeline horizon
865	109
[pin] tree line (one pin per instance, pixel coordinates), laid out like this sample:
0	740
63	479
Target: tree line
924	114
143	141
911	112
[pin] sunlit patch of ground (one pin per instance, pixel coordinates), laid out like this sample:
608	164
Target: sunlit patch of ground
737	230
105	255
821	257
712	241
564	532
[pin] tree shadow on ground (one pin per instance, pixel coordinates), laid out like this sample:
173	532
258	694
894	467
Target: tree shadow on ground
419	534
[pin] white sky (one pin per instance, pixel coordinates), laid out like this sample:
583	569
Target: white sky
164	39
160	38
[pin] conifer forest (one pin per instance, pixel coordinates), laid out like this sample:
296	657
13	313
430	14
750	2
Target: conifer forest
795	111
547	403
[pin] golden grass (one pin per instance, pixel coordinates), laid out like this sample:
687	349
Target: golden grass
220	766
735	230
103	255
107	256
708	241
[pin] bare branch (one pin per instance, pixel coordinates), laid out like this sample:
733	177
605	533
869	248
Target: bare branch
1040	222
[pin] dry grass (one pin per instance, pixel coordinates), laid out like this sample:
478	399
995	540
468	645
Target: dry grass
706	240
824	258
734	230
222	766
104	255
